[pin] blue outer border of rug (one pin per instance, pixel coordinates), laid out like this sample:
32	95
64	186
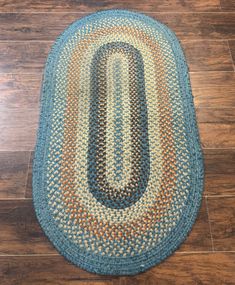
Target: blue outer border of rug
91	262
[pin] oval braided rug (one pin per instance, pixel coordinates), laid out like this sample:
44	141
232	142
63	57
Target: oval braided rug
118	169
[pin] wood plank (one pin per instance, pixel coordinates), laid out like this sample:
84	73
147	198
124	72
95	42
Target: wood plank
18	129
219	161
19	90
18	117
23	57
17	138
216	115
179	269
13	174
232	49
47	26
194	26
219	184
94	5
213	89
190	269
23	235
207	55
219	172
199	238
217	135
227	5
29	57
222	219
37	270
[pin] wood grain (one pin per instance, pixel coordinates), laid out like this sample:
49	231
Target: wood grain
222	219
179	269
219	184
19	90
227	5
47	26
190	269
28	191
23	57
29	57
208	55
219	161
232	49
18	129
94	5
216	115
38	270
194	26
217	135
213	89
199	238
23	235
13	174
219	171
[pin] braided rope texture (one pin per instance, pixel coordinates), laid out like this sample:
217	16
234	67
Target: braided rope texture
118	167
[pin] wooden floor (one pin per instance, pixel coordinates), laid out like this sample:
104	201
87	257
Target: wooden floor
206	29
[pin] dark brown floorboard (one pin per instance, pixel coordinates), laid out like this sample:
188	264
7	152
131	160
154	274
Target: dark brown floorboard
23	235
222	219
219	161
219	171
227	5
19	91
13	174
213	89
179	269
47	26
23	57
94	5
216	115
205	55
53	270
18	129
219	184
217	135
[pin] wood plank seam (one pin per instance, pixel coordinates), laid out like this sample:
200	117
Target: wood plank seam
27	173
208	216
230	52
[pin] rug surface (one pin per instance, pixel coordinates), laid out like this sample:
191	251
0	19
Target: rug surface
118	169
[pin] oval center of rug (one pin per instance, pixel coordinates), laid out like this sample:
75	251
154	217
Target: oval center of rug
118	148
